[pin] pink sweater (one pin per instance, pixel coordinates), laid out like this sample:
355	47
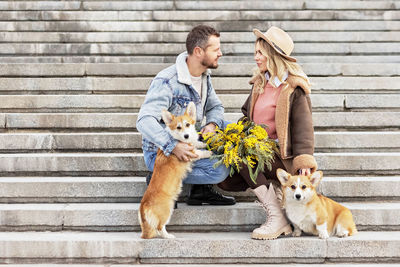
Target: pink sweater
264	108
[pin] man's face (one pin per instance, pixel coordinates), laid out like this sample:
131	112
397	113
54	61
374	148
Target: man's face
212	53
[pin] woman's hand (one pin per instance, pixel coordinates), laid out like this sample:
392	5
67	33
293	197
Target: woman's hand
305	172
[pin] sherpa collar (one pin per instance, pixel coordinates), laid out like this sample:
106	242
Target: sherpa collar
183	70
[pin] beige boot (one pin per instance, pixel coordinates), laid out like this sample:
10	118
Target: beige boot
276	223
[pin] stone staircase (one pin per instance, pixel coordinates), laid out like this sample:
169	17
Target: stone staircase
73	75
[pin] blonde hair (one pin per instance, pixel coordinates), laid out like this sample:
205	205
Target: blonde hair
277	66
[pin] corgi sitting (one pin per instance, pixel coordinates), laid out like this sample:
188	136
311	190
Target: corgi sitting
313	213
165	185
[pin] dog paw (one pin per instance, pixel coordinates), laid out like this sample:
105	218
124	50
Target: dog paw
201	145
168	236
296	233
342	234
323	235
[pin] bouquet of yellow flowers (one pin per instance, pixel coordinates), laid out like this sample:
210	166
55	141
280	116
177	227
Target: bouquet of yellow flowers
242	142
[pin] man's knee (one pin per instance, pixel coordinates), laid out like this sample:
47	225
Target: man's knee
220	174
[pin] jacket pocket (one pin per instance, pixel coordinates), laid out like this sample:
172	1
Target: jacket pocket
179	105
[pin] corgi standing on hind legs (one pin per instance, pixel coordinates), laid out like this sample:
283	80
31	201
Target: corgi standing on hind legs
165	185
313	213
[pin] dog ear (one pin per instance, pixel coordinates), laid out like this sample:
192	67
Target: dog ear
167	117
316	178
191	110
282	176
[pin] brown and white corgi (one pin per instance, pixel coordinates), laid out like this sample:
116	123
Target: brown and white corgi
165	185
311	212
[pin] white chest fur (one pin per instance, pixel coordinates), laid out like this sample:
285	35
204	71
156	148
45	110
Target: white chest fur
300	215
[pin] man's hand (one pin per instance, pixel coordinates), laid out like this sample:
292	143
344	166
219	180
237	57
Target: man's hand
183	151
209	128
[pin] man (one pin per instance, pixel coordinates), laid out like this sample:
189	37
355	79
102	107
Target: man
172	89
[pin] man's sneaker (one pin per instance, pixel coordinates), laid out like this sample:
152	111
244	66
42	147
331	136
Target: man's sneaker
205	194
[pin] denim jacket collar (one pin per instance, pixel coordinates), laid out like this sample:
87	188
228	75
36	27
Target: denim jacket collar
183	70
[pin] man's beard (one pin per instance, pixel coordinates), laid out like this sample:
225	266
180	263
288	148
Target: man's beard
209	64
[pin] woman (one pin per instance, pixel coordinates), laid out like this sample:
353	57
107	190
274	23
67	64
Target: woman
280	99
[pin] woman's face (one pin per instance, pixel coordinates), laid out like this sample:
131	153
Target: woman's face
260	59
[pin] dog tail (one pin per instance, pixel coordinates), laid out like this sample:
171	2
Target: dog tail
148	230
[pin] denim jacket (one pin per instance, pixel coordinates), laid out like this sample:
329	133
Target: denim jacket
172	90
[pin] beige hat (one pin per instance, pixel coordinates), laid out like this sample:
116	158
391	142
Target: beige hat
279	40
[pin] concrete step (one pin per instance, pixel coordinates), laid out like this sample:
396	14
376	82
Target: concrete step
239	5
131	189
296	5
244	216
127	121
78	5
180	37
186	26
172	58
132	141
184	5
174	49
357	141
127	141
231	102
196	15
150	70
128	164
346	120
206	265
214	247
139	85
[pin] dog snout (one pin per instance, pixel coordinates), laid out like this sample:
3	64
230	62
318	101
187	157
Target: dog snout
186	136
297	196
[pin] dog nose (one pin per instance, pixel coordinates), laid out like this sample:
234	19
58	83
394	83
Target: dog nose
298	196
186	136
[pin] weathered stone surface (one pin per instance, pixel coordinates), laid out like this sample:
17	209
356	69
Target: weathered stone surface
204	15
127	5
71	189
356	119
123	216
361	187
359	162
174	49
366	141
179	26
66	102
77	162
133	162
232	84
297	5
349	120
40	5
42	69
71	120
372	101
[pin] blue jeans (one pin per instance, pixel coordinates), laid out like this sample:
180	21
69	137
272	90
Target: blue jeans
202	172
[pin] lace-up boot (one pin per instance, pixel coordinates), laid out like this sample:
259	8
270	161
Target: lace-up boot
276	223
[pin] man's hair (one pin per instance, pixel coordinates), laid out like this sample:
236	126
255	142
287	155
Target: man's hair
198	36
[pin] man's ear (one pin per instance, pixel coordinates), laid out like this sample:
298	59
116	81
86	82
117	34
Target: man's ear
191	110
282	176
198	51
167	117
316	178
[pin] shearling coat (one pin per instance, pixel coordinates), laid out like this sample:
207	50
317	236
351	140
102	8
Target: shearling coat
293	119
